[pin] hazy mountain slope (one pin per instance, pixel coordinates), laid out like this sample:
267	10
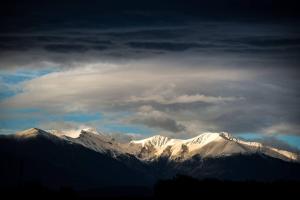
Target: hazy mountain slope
38	156
98	142
240	167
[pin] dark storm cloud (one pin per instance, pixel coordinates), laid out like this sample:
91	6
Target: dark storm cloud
151	34
113	12
69	48
167	46
272	42
264	45
66	48
58	43
143	28
214	38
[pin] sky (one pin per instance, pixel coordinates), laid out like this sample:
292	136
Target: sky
176	68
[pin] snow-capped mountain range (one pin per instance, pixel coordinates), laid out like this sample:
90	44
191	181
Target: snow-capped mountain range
89	159
205	145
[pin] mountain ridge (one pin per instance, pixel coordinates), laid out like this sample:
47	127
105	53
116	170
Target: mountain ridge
93	160
207	144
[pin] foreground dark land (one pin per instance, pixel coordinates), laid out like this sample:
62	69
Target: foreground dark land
178	187
47	167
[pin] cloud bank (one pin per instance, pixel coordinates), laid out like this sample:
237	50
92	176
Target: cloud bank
166	70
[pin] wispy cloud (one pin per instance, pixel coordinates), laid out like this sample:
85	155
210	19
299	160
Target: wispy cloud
183	99
148	116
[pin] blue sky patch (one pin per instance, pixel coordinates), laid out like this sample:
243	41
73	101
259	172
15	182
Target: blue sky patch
23	75
10	79
292	140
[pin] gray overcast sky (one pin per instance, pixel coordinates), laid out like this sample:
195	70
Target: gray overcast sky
172	68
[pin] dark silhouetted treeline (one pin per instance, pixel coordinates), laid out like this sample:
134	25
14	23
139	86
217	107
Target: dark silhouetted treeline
180	187
184	187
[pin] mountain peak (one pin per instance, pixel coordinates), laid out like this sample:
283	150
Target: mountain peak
205	138
74	133
32	132
158	137
90	130
156	140
226	135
